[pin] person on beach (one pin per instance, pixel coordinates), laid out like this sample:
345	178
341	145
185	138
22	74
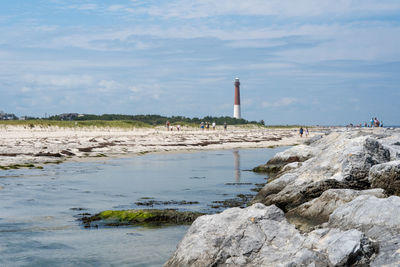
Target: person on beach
207	125
167	125
372	122
225	126
202	125
301	131
213	125
377	123
306	132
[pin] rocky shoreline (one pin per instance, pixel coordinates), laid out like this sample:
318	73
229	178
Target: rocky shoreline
333	201
22	147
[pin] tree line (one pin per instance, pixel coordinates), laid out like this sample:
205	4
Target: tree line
152	119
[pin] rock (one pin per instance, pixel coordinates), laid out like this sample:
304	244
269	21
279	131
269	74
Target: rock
293	195
66	152
365	212
273	187
140	217
313	139
378	219
356	166
323	183
298	153
261	236
340	161
386	176
291	166
317	211
344	248
48	154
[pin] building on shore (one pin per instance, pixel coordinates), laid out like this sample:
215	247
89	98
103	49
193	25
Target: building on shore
7	116
236	105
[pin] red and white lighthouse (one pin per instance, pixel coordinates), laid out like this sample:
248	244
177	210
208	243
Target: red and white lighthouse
236	106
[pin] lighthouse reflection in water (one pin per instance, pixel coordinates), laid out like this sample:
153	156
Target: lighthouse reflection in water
236	157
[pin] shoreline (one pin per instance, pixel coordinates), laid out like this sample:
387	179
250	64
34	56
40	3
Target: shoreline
332	201
34	147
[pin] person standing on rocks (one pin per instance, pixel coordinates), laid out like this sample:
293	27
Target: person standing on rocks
225	126
213	125
167	125
301	131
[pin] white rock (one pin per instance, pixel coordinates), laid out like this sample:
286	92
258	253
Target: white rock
320	208
261	236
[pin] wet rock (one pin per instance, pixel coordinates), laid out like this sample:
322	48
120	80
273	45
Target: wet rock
241	201
86	149
170	202
140	217
261	236
48	154
66	152
386	176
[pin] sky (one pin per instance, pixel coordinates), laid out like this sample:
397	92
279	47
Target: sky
326	62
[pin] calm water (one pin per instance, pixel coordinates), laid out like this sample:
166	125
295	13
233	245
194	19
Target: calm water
38	208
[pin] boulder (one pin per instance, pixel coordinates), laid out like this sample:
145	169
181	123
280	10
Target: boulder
261	236
273	187
343	248
340	161
294	195
376	217
386	176
298	153
318	210
355	167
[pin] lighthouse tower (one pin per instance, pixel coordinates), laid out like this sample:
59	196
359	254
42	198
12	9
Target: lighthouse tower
236	106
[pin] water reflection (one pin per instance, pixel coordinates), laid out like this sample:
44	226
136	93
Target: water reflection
236	166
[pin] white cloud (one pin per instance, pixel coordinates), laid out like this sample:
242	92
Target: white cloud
295	8
26	89
61	81
84	7
286	101
109	85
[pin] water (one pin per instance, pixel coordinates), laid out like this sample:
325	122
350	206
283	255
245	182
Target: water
39	208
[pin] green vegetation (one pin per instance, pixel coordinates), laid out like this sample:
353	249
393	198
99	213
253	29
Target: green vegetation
19	166
158	119
132	121
72	124
147	217
126	215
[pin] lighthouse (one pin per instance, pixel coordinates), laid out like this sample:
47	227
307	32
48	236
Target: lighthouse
236	105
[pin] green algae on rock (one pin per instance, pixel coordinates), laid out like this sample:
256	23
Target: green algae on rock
140	217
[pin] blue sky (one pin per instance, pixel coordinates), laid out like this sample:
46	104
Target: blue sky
299	61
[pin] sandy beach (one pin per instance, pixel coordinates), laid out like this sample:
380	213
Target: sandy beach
41	145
